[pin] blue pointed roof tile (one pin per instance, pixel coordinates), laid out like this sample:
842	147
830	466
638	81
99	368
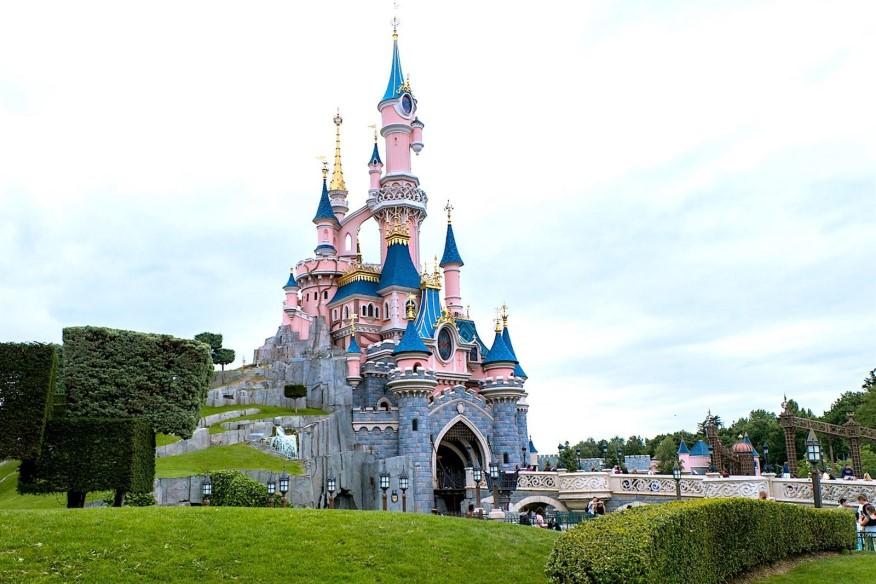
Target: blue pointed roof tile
398	269
411	341
396	77
518	370
682	448
291	283
375	156
355	288
451	253
699	448
354	346
532	446
499	352
324	211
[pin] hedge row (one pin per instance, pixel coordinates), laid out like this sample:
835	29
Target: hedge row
120	374
235	489
27	385
703	541
92	454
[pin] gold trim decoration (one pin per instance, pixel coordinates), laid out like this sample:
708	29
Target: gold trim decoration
398	232
410	307
360	273
337	183
446	318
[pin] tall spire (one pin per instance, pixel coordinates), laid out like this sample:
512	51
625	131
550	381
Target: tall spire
451	253
337	183
324	210
396	77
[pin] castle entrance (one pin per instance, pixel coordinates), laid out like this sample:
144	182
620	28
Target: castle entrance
458	450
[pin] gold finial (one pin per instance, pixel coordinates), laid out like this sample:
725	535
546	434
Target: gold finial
353	318
337	183
498	325
374	127
448	207
405	87
436	271
410	306
503	312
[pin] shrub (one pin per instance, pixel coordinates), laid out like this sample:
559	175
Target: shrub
92	454
123	374
235	489
702	541
132	499
294	391
27	384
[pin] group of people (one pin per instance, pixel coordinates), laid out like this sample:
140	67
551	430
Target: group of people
865	522
846	474
595	507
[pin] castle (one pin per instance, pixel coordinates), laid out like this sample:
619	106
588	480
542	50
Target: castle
425	386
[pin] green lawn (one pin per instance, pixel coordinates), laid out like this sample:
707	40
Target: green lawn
267	413
233	457
10	499
165	439
214	544
855	568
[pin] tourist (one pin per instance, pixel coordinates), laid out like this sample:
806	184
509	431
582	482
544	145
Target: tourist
867	477
539	518
763	495
591	506
859	512
786	470
868	526
600	508
843	503
470	513
847	473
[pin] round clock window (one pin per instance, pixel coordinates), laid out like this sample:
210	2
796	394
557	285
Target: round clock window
445	344
407	104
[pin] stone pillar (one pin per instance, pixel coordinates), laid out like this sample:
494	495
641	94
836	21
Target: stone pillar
412	390
523	432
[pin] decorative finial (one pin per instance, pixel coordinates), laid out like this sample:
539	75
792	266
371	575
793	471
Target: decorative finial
337	183
395	21
374	127
435	269
448	207
353	318
504	314
468	311
410	306
405	87
498	325
324	167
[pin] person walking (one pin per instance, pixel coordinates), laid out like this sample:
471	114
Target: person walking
868	527
859	512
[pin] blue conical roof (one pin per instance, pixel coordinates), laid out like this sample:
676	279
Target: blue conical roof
518	370
396	78
532	446
430	311
699	448
411	341
354	346
451	253
499	351
398	269
324	211
682	448
291	283
375	156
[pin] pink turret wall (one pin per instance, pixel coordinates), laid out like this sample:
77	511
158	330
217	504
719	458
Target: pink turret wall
498	371
398	140
374	175
452	294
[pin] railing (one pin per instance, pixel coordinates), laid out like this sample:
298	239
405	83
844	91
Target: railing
580	485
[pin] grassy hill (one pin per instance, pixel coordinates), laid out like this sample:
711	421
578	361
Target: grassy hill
233	457
213	544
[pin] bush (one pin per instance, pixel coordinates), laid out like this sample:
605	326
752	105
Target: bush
124	374
294	391
235	489
92	454
702	541
132	500
27	384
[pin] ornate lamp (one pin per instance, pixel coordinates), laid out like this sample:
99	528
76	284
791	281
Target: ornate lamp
284	486
494	478
494	470
384	486
766	451
403	484
206	491
813	455
477	474
676	475
331	485
272	487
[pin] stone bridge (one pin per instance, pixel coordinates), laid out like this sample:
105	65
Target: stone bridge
573	490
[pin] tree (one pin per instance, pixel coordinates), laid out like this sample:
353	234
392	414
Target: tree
866	412
568	458
295	391
666	454
221	356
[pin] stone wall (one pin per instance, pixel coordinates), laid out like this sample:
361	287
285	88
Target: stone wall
381	441
187	490
505	438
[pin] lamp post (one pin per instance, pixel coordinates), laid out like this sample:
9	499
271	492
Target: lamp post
403	484
384	485
331	485
284	487
766	461
477	475
577	459
206	491
813	455
272	488
676	475
605	456
494	478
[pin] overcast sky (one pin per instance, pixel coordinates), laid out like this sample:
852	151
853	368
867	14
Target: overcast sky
676	200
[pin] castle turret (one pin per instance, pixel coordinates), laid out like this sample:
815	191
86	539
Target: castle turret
375	168
398	277
354	358
337	187
506	336
326	223
290	305
452	262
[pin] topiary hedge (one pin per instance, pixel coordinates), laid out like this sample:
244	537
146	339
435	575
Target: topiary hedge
702	541
92	454
27	385
235	489
120	374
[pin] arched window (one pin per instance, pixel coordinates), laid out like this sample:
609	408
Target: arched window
349	245
505	457
417	367
384	405
346	312
325	295
363	310
386	310
376	312
370	310
414	424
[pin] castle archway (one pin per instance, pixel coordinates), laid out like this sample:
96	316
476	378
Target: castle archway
459	446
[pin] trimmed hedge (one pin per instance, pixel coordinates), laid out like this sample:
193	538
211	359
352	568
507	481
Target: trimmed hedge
704	541
92	454
235	489
124	374
27	384
294	391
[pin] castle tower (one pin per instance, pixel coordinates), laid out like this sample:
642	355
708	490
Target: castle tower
502	391
337	188
412	385
452	263
398	278
290	305
375	168
398	199
325	220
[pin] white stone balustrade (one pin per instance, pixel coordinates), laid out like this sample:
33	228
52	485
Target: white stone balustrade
570	487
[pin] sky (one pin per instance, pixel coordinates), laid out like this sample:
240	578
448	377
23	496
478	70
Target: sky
676	200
